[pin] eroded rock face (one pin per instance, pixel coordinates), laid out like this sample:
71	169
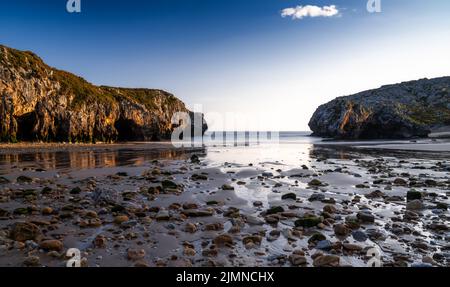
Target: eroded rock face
406	110
40	103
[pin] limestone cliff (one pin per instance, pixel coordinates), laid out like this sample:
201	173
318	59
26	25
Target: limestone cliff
405	110
41	103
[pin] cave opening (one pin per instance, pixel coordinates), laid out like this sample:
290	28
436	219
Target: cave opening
25	127
128	130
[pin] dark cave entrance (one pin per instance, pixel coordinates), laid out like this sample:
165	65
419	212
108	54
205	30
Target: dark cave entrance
25	127
128	130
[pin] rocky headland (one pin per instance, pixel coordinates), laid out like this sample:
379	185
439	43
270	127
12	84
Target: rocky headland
41	103
401	111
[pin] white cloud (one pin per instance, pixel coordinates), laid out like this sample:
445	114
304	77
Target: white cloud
301	12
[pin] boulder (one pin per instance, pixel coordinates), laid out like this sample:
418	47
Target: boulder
23	231
326	261
52	245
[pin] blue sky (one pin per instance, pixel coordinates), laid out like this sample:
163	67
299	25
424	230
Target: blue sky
237	56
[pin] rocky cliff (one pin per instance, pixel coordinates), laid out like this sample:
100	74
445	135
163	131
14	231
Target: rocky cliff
405	110
40	103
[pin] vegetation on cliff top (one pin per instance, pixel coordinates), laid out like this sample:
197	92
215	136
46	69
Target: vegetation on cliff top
83	91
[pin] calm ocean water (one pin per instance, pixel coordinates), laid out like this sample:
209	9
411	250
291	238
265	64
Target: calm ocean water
218	138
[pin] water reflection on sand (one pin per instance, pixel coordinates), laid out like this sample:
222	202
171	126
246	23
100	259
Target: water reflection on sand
87	159
287	153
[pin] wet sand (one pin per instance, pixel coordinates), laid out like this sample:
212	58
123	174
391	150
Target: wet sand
284	205
433	147
15	148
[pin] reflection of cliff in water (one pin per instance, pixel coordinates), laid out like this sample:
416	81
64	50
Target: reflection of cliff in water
89	159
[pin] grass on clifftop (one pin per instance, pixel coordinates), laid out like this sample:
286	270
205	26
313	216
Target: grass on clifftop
145	97
25	59
83	91
429	115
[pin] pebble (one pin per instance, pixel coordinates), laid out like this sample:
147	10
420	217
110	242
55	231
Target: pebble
324	245
341	230
273	235
413	195
195	158
375	234
366	217
316	237
316	197
23	231
214	226
100	241
400	181
120	219
190	228
224	240
162	215
254	239
315	182
326	261
274	210
47	211
19	245
428	260
352	247
330	209
359	236
375	194
75	190
291	195
189	251
31	244
410	215
32	261
190	206
415	205
227	187
141	264
169	184
198	213
135	254
310	221
253	220
54	254
297	260
199	177
52	245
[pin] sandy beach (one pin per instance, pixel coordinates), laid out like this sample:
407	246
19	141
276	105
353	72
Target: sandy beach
290	204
